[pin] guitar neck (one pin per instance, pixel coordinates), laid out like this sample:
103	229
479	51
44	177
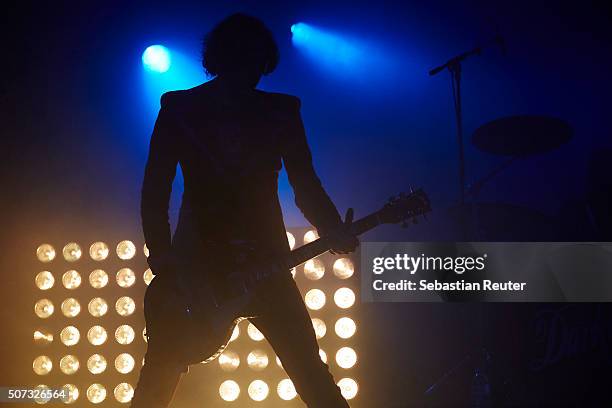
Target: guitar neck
315	248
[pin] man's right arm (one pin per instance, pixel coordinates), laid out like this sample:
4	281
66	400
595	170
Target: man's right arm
157	186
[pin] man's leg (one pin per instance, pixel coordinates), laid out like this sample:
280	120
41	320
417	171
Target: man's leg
284	321
162	370
156	385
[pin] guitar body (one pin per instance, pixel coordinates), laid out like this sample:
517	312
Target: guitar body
192	332
193	313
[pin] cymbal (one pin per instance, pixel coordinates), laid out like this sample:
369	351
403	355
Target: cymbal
522	135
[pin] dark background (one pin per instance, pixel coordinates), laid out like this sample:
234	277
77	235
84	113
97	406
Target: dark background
76	118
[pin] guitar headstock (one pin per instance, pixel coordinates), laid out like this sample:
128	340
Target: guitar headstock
405	207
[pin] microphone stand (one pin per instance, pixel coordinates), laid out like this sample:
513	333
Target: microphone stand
454	67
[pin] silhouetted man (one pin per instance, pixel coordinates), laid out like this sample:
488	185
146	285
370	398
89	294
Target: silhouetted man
231	141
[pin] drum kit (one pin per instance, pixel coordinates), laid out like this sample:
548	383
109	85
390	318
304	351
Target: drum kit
514	138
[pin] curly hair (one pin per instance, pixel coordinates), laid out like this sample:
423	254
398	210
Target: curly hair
239	40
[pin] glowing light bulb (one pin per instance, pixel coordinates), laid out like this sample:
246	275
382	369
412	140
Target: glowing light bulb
314	269
315	299
343	268
96	393
72	252
229	360
44	280
229	390
345	327
258	390
98	279
98	251
42	365
45	253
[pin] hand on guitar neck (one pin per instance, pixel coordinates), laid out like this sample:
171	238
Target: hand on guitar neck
341	239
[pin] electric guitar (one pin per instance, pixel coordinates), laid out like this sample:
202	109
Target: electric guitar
196	326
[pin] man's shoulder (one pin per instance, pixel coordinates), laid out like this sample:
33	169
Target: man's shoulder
177	97
281	100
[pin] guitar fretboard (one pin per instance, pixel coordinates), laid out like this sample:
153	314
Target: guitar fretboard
317	247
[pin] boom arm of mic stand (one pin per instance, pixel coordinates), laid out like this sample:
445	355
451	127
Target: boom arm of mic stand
455	60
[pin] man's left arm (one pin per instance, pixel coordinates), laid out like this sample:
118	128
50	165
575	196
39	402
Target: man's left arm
310	196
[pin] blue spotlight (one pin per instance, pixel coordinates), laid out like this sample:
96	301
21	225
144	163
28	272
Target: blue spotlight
328	48
156	58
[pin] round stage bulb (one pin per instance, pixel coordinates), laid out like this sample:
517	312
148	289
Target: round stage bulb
286	390
157	58
70	336
42	365
72	252
319	327
71	307
346	357
98	251
97	335
125	306
124	363
343	268
43	337
290	240
315	299
229	360
345	327
348	388
73	393
98	279
43	308
71	279
254	333
323	356
229	390
125	334
69	364
126	277
257	360
45	253
43	397
124	392
258	390
96	393
310	236
97	307
126	250
344	298
96	364
145	250
314	269
148	276
44	280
